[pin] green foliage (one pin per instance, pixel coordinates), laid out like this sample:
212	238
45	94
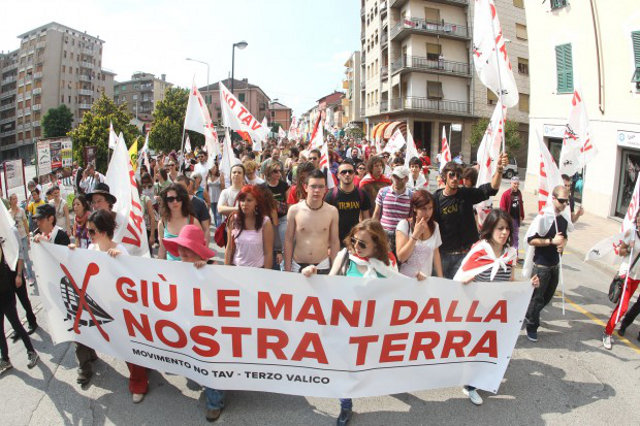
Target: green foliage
354	132
57	122
168	119
94	130
275	128
512	135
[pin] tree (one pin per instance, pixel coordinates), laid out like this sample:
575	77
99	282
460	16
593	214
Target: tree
57	121
512	135
355	132
168	121
94	130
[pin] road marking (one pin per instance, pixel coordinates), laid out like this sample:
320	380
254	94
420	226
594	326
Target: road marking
596	320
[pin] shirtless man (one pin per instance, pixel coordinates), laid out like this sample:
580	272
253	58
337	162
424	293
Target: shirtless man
312	230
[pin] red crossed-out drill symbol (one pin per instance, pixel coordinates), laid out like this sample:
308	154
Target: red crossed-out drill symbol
92	270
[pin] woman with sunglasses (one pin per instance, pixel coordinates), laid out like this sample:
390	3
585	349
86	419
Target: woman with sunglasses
81	208
418	238
278	188
491	259
249	232
175	211
361	171
366	255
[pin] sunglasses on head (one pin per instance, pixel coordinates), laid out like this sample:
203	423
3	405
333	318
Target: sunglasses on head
173	199
347	172
358	243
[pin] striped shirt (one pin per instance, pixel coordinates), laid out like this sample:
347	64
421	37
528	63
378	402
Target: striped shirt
501	275
394	207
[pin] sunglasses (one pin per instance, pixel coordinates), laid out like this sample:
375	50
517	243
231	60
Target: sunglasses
562	200
358	243
313	158
347	172
277	171
173	200
453	174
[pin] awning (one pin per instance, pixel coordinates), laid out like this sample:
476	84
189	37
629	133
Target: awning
374	131
393	127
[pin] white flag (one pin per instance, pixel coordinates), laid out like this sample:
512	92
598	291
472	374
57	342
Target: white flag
293	129
490	53
8	239
187	145
577	147
396	142
229	158
131	230
488	154
318	138
549	177
236	117
412	151
325	162
197	119
113	137
281	133
445	152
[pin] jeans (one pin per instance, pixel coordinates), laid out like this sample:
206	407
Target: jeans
217	217
542	295
346	403
28	265
8	309
451	263
214	398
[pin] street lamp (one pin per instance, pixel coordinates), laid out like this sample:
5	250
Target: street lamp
240	45
205	63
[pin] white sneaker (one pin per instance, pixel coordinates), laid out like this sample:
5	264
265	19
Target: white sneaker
137	398
607	341
473	395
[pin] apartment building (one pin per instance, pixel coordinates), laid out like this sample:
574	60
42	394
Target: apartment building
595	47
417	69
141	94
351	84
8	91
280	114
55	65
250	95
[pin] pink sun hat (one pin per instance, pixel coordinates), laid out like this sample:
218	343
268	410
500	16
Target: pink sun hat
191	237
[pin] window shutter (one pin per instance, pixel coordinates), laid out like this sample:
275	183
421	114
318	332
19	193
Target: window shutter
635	38
434	90
564	68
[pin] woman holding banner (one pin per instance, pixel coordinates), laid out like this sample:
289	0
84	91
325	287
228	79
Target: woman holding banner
366	255
175	209
491	259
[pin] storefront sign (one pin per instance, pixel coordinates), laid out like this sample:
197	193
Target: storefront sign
629	139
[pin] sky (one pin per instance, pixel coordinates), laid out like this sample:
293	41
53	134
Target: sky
296	52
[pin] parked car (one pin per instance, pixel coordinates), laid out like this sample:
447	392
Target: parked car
511	170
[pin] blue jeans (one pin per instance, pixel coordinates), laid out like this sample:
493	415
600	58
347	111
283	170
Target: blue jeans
215	398
346	403
217	217
451	263
24	249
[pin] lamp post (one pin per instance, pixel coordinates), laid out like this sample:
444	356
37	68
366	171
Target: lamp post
240	45
204	63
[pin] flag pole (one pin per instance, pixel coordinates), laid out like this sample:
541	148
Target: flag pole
560	275
493	30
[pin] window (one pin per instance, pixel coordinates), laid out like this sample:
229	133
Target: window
523	102
523	66
434	90
241	97
431	14
492	99
557	4
433	51
521	31
519	3
564	68
635	39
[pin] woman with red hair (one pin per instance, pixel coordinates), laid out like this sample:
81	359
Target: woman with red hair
250	232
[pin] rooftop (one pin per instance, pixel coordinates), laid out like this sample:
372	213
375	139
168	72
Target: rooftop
63	28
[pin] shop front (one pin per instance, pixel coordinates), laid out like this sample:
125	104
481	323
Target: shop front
628	170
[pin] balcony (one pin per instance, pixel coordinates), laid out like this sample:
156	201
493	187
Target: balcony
7	120
84	106
19	111
35	123
384	72
438	66
419	26
85	92
41	45
20	127
7	107
363	112
7	94
85	77
36	107
19	97
384	40
88	52
9	80
363	84
37	75
36	91
85	64
384	106
438	106
400	3
8	132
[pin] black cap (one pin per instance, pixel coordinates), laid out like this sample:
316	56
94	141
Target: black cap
102	189
45	210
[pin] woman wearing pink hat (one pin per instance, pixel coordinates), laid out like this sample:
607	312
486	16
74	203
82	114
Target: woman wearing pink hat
189	247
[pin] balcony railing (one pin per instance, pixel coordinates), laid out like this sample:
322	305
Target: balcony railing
85	77
35	123
41	45
400	3
9	80
363	112
19	97
7	120
88	52
7	107
384	106
384	72
8	93
36	107
443	106
85	92
421	63
19	127
85	64
37	91
363	83
384	39
84	106
422	26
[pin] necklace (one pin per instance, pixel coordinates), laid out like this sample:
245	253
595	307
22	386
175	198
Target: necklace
317	208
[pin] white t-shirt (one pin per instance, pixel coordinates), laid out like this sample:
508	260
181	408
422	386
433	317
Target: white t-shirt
228	197
422	257
419	183
256	181
624	266
202	170
119	247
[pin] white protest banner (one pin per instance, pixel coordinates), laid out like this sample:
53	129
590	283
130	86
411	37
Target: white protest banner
396	142
233	327
8	239
131	230
237	117
14	176
44	158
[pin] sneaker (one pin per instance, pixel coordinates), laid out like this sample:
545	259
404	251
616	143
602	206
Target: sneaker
5	365
532	335
344	417
137	398
607	341
32	329
33	358
473	395
213	414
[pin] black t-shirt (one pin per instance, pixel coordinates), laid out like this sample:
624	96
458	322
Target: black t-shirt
7	276
280	196
200	210
454	214
548	255
349	205
61	238
514	209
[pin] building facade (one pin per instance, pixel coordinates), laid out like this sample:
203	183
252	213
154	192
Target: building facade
8	92
596	48
141	94
417	69
55	65
351	84
280	114
250	95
